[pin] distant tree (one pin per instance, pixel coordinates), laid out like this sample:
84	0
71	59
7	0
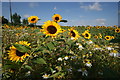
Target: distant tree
16	19
25	22
4	20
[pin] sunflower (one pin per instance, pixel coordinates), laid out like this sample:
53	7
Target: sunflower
107	37
100	35
96	36
86	34
97	27
16	55
63	30
6	26
112	37
117	30
73	33
89	27
56	17
51	28
33	19
17	34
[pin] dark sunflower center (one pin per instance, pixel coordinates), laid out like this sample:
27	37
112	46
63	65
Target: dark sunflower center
56	18
51	29
33	19
73	34
107	37
18	53
86	35
117	30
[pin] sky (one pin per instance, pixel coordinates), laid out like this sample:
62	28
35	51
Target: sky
76	13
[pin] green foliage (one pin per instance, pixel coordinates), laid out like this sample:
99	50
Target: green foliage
50	45
62	58
40	61
25	22
21	48
4	20
16	19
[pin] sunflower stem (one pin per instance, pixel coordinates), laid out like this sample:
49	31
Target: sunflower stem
23	64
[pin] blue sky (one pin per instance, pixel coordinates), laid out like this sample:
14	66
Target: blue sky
76	13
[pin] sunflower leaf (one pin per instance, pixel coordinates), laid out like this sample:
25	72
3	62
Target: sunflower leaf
63	21
40	61
36	30
29	67
50	45
56	74
69	42
21	48
61	40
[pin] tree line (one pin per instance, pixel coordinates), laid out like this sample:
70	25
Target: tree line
16	20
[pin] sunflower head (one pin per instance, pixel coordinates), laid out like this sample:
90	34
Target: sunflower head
86	34
15	54
107	37
89	27
51	28
56	17
112	37
117	30
73	33
33	19
100	35
96	36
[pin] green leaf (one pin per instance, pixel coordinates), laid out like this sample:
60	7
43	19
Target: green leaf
69	42
60	40
50	45
29	67
56	74
38	42
63	21
51	70
39	34
21	48
36	30
40	61
55	43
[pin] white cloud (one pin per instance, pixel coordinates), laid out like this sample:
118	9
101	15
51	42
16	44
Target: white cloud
94	22
21	20
81	16
26	15
81	22
33	4
101	21
96	6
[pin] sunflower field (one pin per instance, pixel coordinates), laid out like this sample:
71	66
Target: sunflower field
55	52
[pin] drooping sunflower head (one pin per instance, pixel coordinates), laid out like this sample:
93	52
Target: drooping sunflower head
73	34
107	37
117	30
56	17
86	34
15	54
51	28
33	19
